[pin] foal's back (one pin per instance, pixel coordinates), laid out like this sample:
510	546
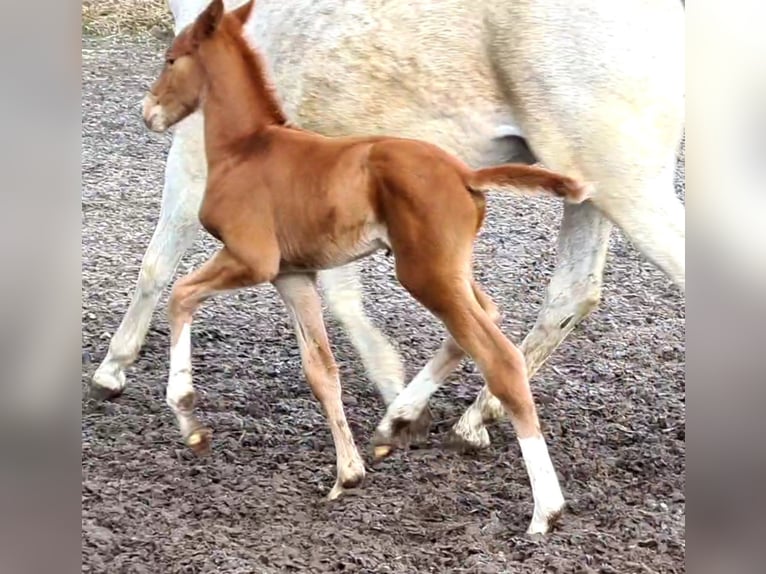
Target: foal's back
288	167
331	200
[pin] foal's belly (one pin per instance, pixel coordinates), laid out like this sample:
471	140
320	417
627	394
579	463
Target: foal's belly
334	251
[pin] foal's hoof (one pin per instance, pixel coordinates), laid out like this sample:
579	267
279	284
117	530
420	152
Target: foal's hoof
351	478
199	441
401	435
382	451
464	439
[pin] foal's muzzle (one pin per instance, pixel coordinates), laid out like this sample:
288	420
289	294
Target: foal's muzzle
154	115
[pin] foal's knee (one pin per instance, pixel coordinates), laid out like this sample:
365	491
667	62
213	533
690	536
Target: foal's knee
180	303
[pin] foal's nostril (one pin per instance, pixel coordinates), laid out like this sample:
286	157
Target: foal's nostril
149	111
148	120
149	116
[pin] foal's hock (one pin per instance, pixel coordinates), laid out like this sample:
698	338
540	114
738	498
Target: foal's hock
287	203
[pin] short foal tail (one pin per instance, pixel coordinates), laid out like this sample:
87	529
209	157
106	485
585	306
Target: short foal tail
528	179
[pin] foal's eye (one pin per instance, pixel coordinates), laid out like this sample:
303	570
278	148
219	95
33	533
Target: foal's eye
170	61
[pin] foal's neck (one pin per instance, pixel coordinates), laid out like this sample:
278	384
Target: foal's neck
238	102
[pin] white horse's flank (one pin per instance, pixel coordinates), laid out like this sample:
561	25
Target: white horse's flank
577	79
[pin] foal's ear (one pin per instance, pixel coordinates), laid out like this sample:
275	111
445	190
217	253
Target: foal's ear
208	21
243	12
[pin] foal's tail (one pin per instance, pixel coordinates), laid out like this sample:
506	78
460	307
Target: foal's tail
528	179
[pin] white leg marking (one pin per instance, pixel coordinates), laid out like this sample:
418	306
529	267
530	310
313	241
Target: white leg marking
545	485
180	354
180	391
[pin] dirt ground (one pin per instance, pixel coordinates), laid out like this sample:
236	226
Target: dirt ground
611	400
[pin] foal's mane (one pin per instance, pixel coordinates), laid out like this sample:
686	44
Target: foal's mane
256	70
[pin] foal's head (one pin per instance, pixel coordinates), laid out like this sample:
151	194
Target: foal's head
178	90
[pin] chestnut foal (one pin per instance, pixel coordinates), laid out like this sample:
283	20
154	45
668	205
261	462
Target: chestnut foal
287	203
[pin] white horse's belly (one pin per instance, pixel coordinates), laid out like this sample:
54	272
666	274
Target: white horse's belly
361	67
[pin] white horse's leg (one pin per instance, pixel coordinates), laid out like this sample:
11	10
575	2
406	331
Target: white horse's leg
572	294
625	144
651	215
174	234
381	360
653	218
404	417
408	417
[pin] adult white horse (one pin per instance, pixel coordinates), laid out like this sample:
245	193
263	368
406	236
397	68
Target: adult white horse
594	88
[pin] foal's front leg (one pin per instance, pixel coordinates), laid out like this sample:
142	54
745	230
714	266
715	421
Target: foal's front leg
220	273
301	297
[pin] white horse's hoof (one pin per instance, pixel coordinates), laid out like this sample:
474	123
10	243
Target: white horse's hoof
544	522
464	438
108	382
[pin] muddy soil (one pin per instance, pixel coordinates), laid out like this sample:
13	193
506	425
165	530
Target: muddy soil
611	400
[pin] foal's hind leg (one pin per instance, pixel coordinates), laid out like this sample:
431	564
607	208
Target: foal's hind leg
302	300
452	299
404	416
572	294
220	273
